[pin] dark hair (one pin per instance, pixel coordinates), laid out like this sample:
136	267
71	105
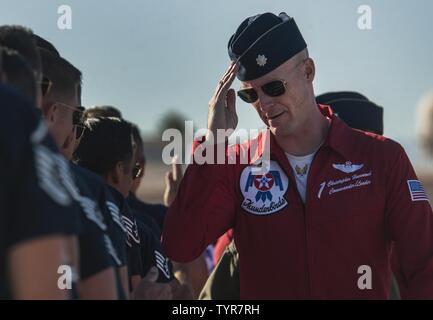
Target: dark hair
136	135
21	39
45	44
18	72
105	142
102	111
63	75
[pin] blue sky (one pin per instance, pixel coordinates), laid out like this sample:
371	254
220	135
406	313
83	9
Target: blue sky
149	57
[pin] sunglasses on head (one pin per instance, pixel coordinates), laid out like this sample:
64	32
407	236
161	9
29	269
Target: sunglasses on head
273	89
136	171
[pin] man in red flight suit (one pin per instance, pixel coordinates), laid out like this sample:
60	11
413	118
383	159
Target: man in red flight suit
321	222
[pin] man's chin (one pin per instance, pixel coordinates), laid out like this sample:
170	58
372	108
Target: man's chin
279	131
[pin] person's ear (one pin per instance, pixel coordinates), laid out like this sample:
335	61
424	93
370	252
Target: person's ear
310	69
50	112
116	173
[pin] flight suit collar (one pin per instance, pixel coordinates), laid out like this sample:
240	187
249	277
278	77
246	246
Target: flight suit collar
338	139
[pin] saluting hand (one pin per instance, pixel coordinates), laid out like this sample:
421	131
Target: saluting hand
222	106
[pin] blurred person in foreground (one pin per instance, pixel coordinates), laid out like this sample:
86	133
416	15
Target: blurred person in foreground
38	220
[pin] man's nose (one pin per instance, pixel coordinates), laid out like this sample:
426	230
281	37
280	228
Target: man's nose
265	102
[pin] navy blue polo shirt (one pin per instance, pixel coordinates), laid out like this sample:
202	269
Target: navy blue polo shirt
99	192
34	201
142	210
152	253
132	239
96	249
150	219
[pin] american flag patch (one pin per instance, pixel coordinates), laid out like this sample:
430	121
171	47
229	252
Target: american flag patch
416	190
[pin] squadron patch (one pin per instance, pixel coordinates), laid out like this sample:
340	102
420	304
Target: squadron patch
264	193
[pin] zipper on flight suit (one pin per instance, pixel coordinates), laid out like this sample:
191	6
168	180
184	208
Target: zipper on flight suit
306	222
305	206
307	262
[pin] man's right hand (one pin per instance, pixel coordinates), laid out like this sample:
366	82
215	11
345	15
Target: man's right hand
222	106
149	289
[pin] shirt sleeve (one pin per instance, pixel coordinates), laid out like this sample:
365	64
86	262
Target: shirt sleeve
39	203
410	223
115	229
133	243
203	210
152	254
94	256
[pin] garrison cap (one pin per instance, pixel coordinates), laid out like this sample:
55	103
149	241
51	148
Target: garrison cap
264	42
355	109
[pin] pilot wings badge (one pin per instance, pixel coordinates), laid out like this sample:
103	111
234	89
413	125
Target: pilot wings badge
348	167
